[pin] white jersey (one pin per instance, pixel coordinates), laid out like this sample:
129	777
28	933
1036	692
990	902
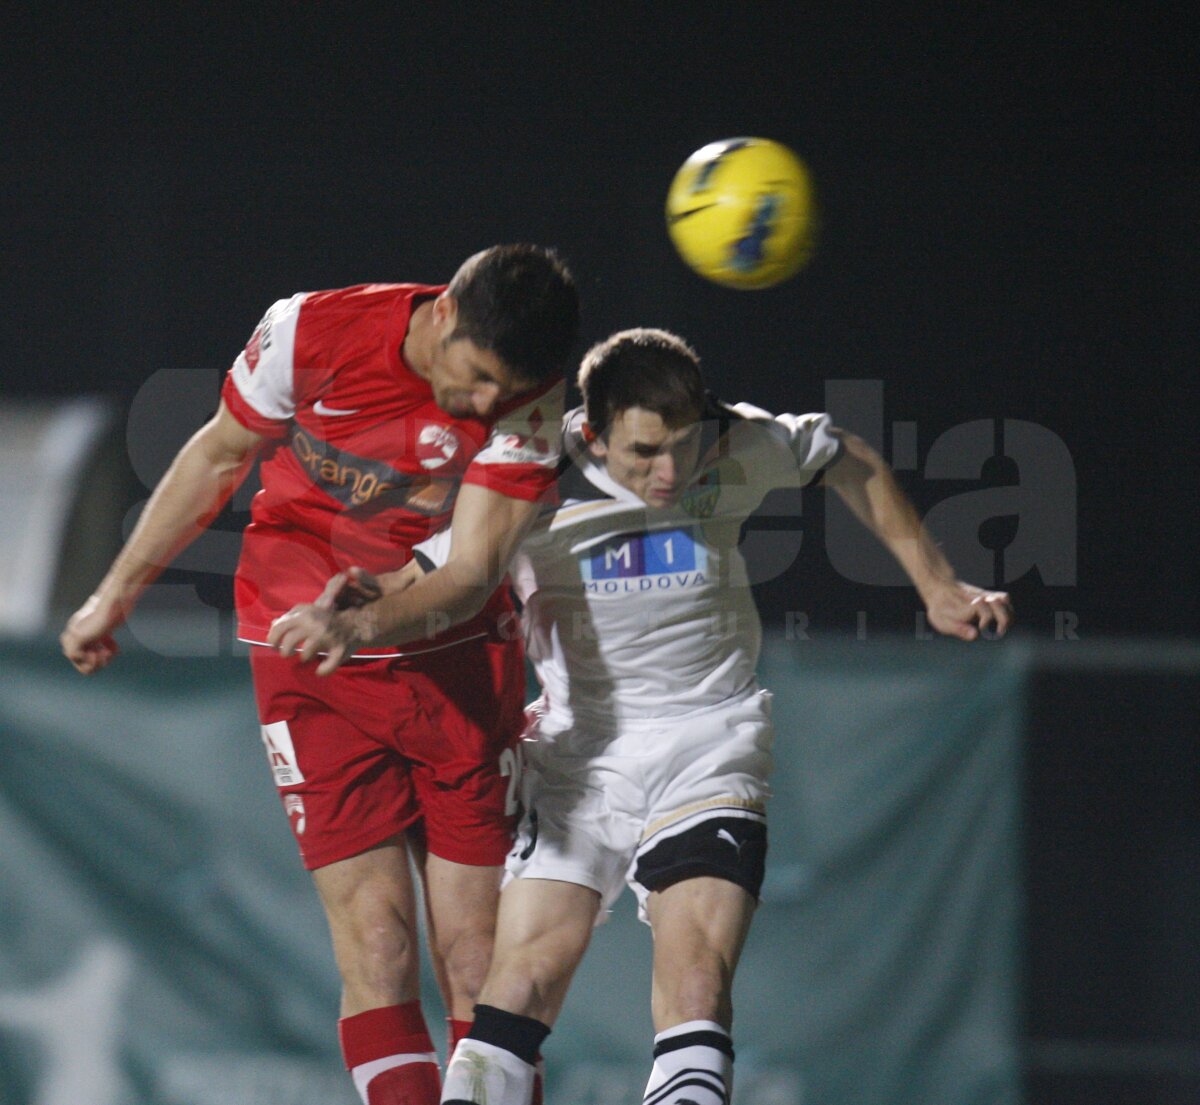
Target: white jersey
633	611
639	612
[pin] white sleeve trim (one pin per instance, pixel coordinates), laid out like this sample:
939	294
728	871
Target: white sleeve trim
809	437
436	548
263	372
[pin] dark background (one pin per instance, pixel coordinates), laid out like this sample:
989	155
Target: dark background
1009	233
1008	204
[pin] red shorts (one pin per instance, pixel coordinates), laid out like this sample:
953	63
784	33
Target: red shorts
381	745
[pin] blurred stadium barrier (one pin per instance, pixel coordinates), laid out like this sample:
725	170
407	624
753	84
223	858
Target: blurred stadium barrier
162	946
58	483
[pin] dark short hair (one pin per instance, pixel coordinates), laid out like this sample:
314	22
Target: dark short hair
518	301
652	369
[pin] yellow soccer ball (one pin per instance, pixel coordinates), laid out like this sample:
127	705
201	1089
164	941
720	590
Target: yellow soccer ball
742	213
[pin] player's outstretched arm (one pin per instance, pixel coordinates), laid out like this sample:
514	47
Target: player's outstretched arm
486	529
356	586
866	484
191	493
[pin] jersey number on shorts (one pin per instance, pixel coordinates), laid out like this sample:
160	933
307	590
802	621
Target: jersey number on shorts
511	765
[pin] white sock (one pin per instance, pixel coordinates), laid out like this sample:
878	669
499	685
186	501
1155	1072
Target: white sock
693	1062
485	1074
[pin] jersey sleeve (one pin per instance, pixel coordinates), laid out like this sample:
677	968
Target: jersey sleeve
260	388
434	551
520	456
811	445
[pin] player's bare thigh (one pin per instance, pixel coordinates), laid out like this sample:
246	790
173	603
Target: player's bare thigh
461	903
543	929
699	927
370	904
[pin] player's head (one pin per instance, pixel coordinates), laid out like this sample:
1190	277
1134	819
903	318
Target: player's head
507	323
643	397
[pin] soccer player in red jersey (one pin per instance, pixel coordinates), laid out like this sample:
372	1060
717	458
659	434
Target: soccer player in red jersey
380	413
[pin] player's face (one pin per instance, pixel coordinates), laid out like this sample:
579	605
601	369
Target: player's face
653	460
469	381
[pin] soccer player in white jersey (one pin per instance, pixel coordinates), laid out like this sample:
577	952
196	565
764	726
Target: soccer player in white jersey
648	754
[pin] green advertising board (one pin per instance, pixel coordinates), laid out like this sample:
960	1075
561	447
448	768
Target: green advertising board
160	943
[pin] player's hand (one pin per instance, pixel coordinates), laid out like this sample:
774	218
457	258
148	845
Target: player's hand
87	639
351	589
315	629
356	587
965	611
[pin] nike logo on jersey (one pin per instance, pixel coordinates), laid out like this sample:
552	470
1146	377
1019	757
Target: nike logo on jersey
319	407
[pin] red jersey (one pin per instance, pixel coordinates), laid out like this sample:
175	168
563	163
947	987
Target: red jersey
362	463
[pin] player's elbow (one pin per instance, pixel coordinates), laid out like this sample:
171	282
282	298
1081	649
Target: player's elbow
855	450
856	465
471	582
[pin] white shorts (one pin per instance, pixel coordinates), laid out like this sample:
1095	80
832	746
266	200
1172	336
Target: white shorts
657	802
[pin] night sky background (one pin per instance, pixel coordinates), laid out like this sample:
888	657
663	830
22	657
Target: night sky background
1007	197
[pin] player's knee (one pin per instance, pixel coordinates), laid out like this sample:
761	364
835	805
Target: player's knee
530	981
378	943
379	967
467	955
700	991
546	967
387	946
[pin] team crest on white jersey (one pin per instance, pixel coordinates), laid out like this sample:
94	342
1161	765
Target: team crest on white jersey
700	500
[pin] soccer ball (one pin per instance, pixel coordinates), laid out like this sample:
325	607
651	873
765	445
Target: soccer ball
741	212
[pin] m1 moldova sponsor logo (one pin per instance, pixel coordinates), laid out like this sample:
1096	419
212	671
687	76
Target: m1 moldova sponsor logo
634	562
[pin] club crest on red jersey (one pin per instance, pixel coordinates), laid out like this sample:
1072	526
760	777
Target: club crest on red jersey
436	445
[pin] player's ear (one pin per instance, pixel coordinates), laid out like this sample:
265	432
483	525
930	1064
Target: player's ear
595	443
445	313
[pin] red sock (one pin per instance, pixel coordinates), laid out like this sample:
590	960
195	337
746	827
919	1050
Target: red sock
539	1078
455	1031
390	1056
